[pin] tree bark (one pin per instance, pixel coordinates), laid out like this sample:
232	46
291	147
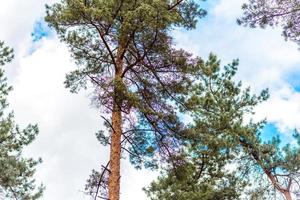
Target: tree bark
115	156
285	191
116	134
287	195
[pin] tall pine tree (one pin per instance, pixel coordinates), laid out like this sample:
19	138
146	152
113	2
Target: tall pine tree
16	172
124	48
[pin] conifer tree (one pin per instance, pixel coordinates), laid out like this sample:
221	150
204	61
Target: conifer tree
285	13
16	172
218	136
217	105
124	48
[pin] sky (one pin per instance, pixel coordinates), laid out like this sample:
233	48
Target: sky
68	123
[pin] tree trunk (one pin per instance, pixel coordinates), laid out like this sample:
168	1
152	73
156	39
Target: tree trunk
115	155
287	195
116	134
285	191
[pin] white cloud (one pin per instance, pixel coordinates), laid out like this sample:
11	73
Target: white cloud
265	59
66	141
225	10
67	123
17	19
283	108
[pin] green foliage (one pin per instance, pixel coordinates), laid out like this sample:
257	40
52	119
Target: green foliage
94	29
152	74
212	143
284	13
170	186
16	172
124	49
280	164
220	137
6	54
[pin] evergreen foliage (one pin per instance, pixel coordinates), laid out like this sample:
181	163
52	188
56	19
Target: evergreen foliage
285	13
217	105
124	49
279	164
219	138
16	172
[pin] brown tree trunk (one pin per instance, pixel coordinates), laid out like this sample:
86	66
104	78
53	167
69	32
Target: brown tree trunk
287	195
115	156
116	134
285	191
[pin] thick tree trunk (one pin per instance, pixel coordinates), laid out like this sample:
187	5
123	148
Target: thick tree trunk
116	134
115	155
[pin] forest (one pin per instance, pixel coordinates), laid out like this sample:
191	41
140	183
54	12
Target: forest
150	99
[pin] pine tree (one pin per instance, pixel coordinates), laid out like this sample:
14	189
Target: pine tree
124	48
220	137
16	172
211	144
285	13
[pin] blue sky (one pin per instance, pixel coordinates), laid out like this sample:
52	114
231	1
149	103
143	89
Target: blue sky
41	62
40	30
270	130
293	78
257	50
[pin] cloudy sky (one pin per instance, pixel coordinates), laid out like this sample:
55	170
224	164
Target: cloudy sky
67	122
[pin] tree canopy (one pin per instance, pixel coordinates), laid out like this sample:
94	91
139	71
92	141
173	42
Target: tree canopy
16	177
125	52
223	155
217	105
124	48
